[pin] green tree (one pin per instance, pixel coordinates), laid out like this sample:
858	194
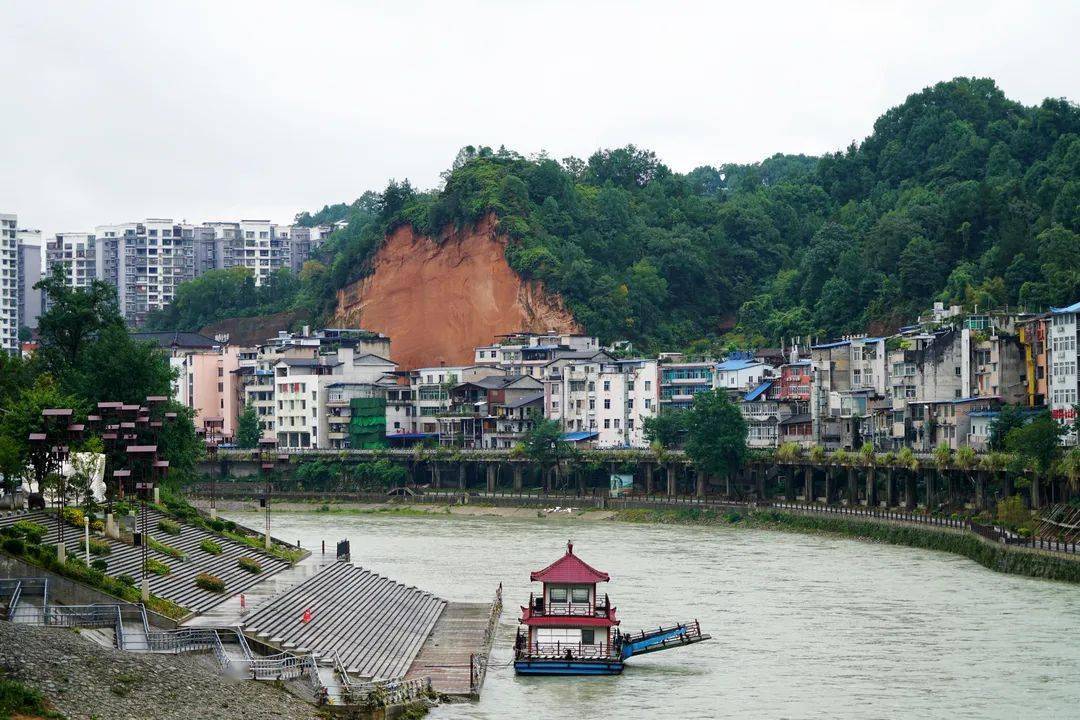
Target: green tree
667	428
1007	419
248	430
716	436
1038	442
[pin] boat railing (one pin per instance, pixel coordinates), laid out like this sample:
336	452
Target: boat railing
567	651
568	609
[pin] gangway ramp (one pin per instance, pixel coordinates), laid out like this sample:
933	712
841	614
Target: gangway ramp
374	625
662	638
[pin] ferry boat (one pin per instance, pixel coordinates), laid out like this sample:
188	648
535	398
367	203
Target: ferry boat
569	629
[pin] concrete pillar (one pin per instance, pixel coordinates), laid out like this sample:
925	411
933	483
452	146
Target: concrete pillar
672	480
871	487
759	481
146	589
980	489
518	470
852	487
702	481
157	495
461	475
61	552
909	489
830	482
492	476
648	478
579	474
436	475
789	484
930	490
890	488
113	531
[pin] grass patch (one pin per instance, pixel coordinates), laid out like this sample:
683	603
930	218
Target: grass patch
100	547
250	565
157	567
20	700
210	547
169	527
211	583
165	549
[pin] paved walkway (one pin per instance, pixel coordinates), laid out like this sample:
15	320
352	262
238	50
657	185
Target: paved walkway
457	636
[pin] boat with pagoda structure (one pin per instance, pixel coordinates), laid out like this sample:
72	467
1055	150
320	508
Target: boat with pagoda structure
570	629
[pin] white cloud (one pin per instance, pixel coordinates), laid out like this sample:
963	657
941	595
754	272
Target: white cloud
118	111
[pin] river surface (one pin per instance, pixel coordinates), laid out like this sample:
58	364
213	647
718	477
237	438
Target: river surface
803	626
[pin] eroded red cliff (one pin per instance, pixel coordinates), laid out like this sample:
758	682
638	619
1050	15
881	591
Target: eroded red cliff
437	300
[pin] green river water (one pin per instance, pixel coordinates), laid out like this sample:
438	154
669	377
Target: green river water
803	626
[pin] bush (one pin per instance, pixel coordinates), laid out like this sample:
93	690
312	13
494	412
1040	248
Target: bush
165	549
168	527
1012	513
15	546
126	580
215	525
210	582
250	565
97	525
209	546
157	567
20	700
99	547
99	564
32	531
74	517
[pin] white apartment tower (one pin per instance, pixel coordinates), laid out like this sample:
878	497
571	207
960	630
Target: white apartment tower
9	284
1064	386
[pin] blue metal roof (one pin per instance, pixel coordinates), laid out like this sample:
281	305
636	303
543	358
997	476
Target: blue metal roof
1075	307
758	391
984	413
579	435
411	436
737	364
823	346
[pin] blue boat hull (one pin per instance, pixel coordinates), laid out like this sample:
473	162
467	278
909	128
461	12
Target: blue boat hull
566	667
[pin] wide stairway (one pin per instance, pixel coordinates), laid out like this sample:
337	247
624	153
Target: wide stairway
178	585
373	625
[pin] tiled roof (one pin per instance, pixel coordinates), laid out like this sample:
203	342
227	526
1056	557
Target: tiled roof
569	569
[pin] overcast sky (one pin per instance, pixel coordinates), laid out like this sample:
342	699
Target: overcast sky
116	111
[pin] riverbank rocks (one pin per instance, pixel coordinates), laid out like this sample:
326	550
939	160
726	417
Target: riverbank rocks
86	681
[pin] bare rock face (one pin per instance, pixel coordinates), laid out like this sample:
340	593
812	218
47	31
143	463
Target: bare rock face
438	299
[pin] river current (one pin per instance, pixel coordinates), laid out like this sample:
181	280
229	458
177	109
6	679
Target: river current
803	626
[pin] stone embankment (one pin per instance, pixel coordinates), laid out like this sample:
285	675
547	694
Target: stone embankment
85	681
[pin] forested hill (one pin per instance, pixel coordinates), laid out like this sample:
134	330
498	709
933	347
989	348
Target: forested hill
959	194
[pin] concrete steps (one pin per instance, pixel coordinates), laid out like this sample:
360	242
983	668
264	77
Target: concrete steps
373	624
179	585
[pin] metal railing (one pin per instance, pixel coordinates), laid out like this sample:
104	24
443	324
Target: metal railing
567	651
14	601
478	662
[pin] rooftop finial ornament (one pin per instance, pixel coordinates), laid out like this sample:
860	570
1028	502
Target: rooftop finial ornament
569	547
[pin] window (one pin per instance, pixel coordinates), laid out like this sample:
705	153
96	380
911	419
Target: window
607	385
557	594
588	636
580	595
957	371
607	404
607	423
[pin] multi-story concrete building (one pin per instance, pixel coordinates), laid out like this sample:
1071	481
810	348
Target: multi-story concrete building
1033	337
526	353
681	380
603	396
75	253
849	376
31	260
1064	386
9	284
741	374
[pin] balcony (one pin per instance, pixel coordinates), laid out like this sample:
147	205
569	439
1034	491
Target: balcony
538	608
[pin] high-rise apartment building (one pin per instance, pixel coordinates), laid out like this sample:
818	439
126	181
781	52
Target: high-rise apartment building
9	284
30	262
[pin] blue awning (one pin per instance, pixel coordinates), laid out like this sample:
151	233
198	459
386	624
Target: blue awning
579	436
411	436
758	391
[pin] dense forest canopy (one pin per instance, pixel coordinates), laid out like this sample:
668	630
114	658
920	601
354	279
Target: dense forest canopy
959	194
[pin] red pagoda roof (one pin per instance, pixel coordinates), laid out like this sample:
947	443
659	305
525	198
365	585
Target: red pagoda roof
569	569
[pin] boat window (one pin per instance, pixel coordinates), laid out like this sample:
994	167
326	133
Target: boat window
588	636
580	594
557	594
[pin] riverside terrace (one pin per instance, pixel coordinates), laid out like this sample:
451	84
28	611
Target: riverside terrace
842	478
350	627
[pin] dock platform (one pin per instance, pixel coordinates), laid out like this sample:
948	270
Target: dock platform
460	635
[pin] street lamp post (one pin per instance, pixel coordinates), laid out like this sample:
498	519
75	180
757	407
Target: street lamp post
54	419
267	449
